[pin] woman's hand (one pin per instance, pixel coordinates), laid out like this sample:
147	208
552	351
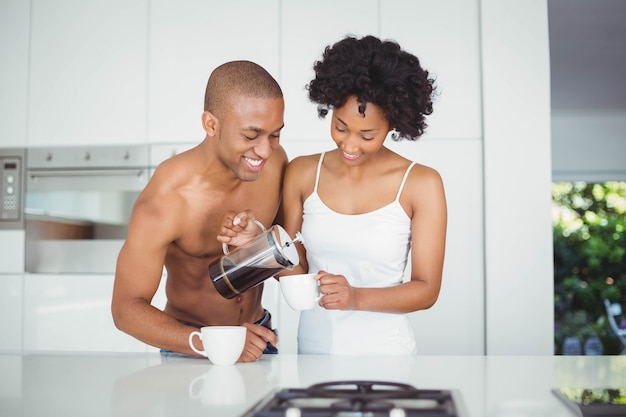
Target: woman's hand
239	229
337	293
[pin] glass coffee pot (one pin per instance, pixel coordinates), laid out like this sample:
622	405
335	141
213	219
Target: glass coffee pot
249	265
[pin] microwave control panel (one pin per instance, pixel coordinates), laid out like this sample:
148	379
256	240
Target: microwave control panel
11	193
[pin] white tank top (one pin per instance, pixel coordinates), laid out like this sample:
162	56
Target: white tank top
370	250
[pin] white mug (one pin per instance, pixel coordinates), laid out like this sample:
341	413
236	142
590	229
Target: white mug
301	291
222	344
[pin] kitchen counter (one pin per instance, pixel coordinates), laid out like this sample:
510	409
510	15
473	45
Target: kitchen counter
89	384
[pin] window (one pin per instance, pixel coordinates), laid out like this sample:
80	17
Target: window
589	227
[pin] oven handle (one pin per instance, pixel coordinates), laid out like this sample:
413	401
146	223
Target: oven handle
120	179
138	172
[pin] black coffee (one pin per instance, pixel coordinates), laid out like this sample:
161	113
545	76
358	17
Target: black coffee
240	278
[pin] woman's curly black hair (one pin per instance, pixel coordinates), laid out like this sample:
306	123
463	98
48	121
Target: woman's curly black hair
376	72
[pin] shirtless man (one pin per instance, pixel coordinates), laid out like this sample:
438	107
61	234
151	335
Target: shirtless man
177	217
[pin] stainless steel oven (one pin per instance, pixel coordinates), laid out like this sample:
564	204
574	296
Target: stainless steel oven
77	205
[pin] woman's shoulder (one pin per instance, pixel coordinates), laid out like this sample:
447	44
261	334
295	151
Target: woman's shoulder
301	173
423	179
304	162
419	169
416	170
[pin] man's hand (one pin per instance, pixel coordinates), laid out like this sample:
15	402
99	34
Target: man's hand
239	229
257	338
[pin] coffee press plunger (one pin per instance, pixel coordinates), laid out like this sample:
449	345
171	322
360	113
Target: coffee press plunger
249	265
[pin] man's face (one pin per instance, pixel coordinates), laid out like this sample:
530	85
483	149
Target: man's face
248	135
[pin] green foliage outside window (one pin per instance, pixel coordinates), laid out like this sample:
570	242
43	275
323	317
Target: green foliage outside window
589	227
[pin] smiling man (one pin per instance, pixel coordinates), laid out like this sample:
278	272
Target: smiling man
175	221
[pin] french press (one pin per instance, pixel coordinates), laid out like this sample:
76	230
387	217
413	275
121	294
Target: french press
249	265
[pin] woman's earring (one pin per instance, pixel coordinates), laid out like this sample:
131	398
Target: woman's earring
395	135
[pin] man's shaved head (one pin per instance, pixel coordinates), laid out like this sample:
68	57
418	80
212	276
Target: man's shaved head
237	79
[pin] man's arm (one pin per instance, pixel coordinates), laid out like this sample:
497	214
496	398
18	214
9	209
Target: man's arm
137	277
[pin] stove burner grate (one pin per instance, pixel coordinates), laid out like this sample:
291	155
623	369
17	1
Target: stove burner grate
356	399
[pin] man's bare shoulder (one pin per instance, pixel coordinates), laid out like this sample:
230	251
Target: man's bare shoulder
176	172
277	163
280	155
178	166
160	198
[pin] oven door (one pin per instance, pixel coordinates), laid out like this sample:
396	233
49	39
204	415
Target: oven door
76	217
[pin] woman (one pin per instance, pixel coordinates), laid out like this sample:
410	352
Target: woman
361	207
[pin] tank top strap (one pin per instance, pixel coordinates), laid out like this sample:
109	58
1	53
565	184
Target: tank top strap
406	174
317	174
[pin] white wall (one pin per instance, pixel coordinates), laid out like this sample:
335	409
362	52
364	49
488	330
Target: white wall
490	61
589	145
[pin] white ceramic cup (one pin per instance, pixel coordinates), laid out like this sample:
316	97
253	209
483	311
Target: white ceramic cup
301	291
222	344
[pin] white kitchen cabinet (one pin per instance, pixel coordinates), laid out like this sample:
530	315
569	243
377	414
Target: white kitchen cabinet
187	41
88	70
455	324
287	324
72	313
445	36
12	251
11	313
14	21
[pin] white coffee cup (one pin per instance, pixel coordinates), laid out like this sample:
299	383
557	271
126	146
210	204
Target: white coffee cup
301	291
222	344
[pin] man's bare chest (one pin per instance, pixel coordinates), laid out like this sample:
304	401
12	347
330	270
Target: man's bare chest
200	224
198	236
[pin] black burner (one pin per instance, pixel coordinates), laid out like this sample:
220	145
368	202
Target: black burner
364	390
356	398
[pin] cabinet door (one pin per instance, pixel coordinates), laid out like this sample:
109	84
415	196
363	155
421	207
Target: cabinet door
88	72
187	41
14	69
12	244
72	313
459	162
11	313
445	37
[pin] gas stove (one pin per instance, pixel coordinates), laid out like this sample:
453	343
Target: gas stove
359	399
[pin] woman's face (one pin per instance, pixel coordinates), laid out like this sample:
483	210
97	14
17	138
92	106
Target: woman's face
356	136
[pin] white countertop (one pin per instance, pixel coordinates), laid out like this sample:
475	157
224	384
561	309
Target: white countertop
89	384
